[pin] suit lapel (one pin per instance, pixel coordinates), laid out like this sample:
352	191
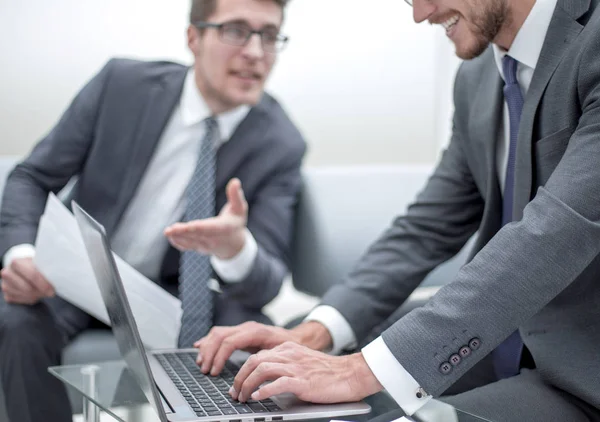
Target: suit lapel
246	138
562	31
160	102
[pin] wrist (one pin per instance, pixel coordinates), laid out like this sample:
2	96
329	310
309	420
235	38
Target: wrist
314	335
364	377
235	245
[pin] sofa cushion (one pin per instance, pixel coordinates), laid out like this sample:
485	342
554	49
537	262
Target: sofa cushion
342	210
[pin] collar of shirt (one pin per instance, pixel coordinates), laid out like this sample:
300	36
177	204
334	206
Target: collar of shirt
194	110
527	45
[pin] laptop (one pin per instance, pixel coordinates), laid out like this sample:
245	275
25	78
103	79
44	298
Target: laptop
170	379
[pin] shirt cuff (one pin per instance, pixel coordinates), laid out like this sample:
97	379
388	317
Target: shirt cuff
236	269
341	333
403	388
24	250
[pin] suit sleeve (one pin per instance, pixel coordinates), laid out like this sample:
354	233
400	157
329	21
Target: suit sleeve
53	162
524	267
270	220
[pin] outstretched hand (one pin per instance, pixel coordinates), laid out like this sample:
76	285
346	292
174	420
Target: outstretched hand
223	236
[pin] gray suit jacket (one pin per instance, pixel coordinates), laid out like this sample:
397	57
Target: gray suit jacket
540	273
107	137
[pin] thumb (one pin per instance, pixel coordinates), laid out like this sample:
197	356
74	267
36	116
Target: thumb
236	198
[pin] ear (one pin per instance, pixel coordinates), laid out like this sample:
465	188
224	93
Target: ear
193	40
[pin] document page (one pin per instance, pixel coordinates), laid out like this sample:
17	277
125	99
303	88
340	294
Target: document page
62	258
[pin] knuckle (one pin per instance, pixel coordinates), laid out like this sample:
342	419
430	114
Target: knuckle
261	331
294	354
285	382
9	274
264	368
214	332
253	324
254	360
228	343
289	344
20	264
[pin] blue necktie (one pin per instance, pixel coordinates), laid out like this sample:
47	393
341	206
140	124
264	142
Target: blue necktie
507	355
195	269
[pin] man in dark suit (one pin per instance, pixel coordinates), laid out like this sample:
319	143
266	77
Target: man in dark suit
522	170
161	152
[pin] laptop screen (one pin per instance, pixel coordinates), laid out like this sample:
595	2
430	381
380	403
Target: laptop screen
115	299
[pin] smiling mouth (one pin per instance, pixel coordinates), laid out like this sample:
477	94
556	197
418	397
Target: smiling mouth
248	75
450	23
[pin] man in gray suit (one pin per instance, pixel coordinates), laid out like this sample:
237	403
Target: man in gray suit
153	144
520	321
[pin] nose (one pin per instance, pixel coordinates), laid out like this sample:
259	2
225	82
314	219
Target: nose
422	10
253	48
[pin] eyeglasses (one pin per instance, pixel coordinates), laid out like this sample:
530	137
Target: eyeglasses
238	34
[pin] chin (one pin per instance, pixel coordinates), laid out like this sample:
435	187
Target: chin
464	54
471	50
250	99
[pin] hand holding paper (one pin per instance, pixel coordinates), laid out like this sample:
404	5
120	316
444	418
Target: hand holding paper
23	284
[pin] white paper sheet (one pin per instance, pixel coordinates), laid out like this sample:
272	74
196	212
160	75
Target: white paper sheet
61	257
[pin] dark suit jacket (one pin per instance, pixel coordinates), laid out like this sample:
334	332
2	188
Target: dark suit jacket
107	137
539	273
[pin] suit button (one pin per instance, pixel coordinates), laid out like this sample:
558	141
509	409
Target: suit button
455	360
464	351
474	344
445	368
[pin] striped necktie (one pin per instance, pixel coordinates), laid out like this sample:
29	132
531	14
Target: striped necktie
195	270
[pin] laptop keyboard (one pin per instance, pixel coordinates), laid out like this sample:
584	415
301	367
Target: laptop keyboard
206	395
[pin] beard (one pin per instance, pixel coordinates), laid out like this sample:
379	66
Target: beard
486	20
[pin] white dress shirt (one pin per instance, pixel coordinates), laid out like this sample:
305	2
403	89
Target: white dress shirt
526	49
159	200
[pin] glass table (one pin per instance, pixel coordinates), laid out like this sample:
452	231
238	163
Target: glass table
109	387
106	387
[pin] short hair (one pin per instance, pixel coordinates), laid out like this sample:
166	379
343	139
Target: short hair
201	10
